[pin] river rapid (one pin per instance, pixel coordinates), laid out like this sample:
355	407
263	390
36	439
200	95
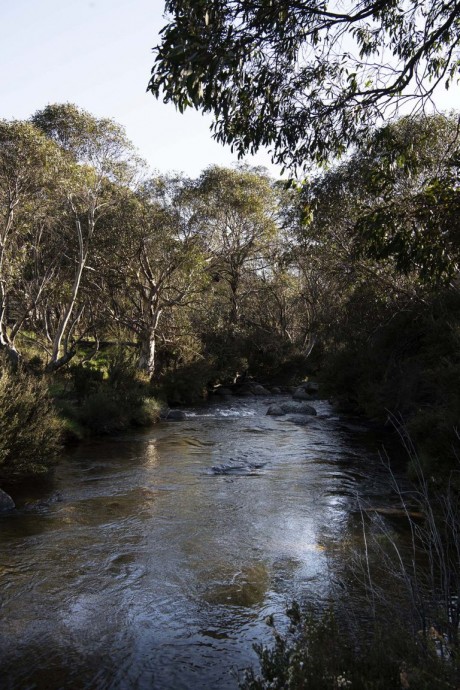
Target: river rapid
153	560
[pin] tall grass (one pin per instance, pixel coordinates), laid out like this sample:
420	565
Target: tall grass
393	621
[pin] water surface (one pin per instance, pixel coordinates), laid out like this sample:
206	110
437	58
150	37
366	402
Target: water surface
153	560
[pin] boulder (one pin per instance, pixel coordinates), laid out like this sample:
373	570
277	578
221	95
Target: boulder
298	419
244	390
298	408
176	416
301	394
222	391
260	390
309	386
276	390
6	502
275	411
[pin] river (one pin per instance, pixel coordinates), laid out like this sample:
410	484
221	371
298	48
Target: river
152	560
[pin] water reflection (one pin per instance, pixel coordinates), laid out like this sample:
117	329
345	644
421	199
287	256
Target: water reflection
141	568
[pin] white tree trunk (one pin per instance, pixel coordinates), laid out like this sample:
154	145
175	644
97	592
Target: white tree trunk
147	354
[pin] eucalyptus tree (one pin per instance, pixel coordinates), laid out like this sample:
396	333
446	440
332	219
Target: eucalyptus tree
104	159
235	213
395	202
306	79
32	172
411	171
156	267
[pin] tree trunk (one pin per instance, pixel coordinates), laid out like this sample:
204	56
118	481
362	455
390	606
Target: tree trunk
59	358
234	301
147	354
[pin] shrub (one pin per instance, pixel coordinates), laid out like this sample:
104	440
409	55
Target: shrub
111	410
103	412
30	430
189	383
85	379
320	652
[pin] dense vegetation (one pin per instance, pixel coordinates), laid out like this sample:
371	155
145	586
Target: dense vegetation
116	287
305	79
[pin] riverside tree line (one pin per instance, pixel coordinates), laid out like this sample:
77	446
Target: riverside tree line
172	285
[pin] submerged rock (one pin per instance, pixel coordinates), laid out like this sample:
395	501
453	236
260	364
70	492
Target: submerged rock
240	469
299	419
6	502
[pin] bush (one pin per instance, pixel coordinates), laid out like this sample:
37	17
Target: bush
30	430
85	379
103	412
321	653
188	383
408	364
106	396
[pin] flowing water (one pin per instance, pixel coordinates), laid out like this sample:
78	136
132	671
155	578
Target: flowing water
153	560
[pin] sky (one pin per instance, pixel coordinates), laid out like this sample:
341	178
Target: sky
98	55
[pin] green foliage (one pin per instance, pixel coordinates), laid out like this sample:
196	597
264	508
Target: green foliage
323	652
396	200
111	396
111	410
189	383
100	144
411	173
406	363
30	430
278	75
85	379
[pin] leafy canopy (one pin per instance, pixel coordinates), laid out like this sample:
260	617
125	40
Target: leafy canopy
306	78
397	198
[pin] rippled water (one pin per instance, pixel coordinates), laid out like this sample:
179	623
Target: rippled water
153	559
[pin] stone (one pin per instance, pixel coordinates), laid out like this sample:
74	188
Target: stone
176	416
275	411
276	390
298	408
6	502
222	391
309	386
298	419
260	390
301	394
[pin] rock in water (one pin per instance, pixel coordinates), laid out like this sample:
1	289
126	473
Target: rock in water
223	392
301	394
298	408
176	416
260	390
309	386
275	411
6	502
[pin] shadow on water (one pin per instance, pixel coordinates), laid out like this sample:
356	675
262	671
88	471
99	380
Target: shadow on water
152	560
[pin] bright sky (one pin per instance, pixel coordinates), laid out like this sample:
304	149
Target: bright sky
98	55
